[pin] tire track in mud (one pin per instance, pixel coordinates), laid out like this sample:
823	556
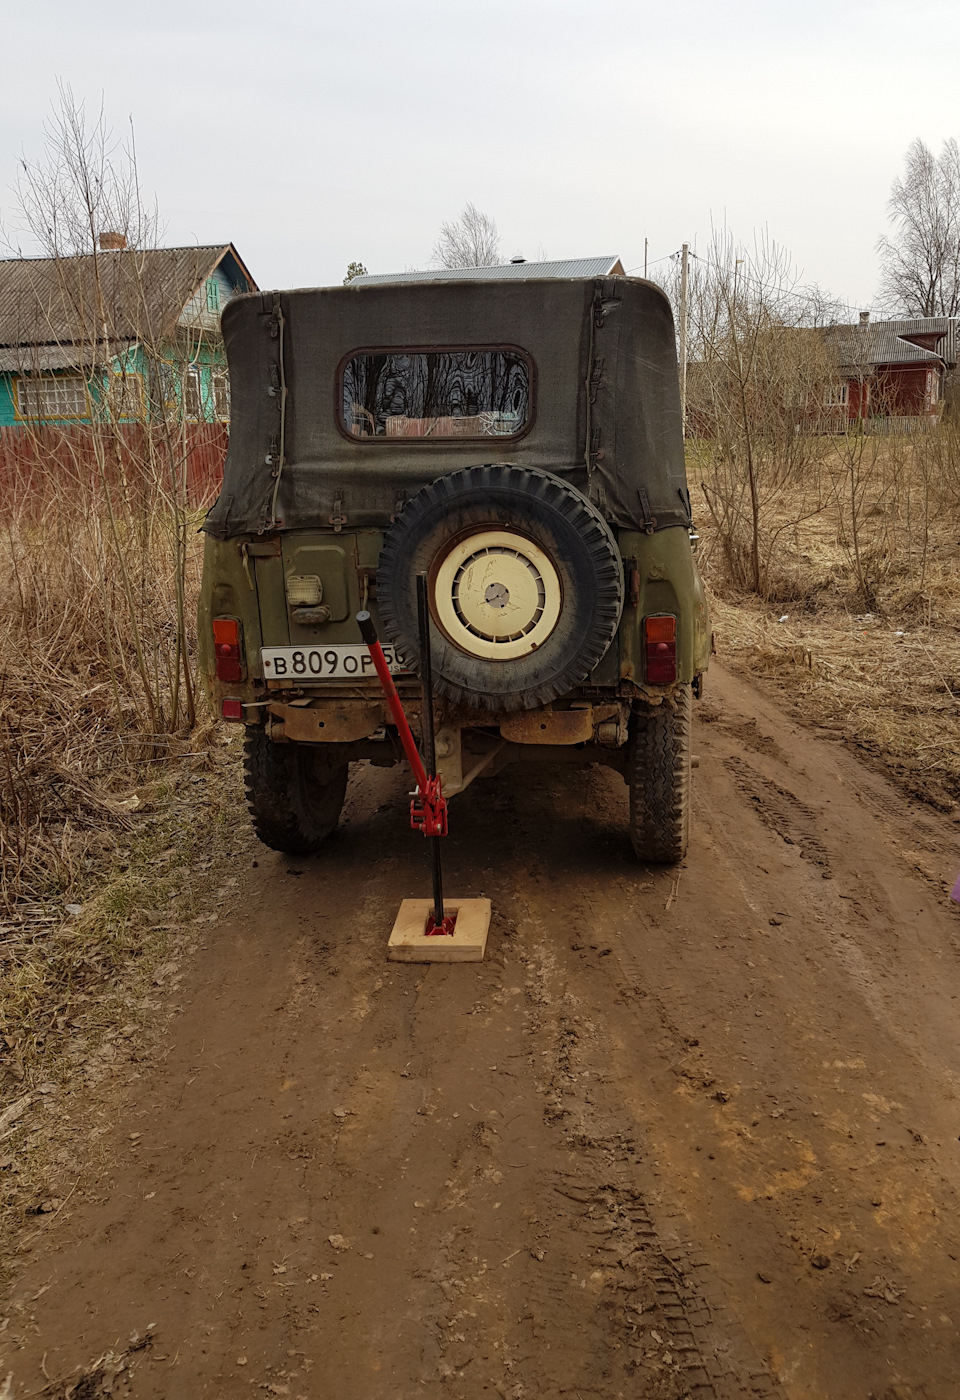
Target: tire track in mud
782	812
655	1328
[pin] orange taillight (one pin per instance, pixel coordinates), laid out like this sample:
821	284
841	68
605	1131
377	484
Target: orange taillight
660	636
226	649
661	627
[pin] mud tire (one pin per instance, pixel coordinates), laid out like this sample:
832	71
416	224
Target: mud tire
562	523
294	792
658	775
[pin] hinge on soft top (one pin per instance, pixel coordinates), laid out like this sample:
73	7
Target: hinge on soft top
649	519
596	379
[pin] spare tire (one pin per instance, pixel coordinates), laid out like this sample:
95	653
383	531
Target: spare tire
525	584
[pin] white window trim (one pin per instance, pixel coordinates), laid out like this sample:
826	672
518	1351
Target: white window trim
837	395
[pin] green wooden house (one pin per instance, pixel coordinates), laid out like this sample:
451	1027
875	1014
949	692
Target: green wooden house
120	335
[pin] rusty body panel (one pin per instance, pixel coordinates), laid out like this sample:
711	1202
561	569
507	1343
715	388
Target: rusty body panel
558	726
329	721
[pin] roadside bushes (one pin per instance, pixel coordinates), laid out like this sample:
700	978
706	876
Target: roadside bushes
100	570
778	466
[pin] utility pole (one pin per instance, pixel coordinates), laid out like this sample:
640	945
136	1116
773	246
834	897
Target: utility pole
684	269
646	245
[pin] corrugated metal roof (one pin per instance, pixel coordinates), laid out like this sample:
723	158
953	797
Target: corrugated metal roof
51	303
858	347
568	267
929	325
37	359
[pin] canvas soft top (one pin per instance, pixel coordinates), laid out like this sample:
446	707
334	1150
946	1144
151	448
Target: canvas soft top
606	398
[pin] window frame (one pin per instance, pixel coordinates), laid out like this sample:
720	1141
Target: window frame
213	295
193	375
837	394
429	443
45	417
220	388
133	395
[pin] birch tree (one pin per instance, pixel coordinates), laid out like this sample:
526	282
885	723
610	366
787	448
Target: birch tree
920	261
472	240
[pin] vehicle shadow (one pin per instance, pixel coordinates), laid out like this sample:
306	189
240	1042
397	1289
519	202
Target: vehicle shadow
566	822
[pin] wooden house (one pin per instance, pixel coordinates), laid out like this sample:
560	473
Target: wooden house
890	373
122	335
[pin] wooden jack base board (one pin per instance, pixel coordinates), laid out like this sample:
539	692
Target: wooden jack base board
409	941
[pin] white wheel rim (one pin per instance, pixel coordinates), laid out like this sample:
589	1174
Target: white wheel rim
497	595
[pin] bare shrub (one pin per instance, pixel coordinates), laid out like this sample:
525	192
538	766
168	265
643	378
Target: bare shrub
757	375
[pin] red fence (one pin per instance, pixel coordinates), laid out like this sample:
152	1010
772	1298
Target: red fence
35	462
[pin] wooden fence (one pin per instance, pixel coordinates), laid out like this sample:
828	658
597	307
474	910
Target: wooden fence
37	463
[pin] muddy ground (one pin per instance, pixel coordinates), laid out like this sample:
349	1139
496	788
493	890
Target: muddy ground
684	1133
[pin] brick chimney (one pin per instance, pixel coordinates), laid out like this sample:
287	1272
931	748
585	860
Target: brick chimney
112	242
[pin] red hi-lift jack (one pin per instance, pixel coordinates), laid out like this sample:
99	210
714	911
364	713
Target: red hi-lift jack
428	807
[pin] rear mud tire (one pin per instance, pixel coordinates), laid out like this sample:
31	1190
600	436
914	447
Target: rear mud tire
658	775
294	792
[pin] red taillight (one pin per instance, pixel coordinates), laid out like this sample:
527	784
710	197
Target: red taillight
227	650
660	635
232	709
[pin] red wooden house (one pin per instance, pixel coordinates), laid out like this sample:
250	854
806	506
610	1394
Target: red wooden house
890	370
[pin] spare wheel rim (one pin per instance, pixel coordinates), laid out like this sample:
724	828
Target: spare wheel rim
497	595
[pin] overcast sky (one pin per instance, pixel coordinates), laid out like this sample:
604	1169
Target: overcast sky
311	134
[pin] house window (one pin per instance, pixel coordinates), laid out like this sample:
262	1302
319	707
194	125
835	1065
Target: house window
213	294
162	383
123	396
192	394
220	383
59	396
836	395
438	394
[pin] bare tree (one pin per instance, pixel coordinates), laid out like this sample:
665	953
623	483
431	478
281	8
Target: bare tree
920	263
85	183
473	240
756	376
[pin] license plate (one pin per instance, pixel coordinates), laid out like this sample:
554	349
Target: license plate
346	662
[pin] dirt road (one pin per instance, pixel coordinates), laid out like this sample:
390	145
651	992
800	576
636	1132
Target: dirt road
677	1136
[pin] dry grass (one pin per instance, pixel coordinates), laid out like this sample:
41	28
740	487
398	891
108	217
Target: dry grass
870	650
98	743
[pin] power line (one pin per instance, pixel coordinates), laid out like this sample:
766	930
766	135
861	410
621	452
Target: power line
654	262
800	295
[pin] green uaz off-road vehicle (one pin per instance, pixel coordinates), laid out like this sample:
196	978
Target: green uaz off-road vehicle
517	439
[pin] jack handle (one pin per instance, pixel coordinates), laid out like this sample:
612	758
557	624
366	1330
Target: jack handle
369	634
428	810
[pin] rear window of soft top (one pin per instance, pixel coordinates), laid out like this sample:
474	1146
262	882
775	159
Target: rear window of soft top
441	394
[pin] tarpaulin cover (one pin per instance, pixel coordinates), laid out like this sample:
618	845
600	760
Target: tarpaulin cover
606	398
